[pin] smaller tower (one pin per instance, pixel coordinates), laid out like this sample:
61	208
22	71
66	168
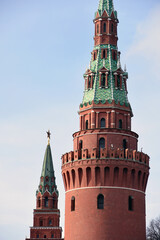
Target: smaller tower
46	215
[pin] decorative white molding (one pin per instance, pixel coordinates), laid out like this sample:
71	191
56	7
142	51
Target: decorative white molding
106	187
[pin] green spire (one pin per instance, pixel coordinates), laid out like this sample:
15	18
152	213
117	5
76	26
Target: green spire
106	5
47	180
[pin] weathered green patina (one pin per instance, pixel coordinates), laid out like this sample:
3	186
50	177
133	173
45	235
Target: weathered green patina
110	93
106	5
47	179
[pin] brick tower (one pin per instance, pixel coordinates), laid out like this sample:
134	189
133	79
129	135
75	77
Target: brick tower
46	214
105	176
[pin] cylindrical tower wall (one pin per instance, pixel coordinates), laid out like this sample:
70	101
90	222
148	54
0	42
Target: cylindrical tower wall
115	221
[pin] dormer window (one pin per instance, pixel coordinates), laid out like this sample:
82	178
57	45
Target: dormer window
103	79
94	56
104	54
104	27
118	81
89	82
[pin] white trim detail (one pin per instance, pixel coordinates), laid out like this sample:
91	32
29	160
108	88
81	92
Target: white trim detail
108	187
124	134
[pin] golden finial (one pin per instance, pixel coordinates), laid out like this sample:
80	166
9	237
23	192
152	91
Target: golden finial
48	136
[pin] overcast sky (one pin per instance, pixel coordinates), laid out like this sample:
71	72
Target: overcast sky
44	50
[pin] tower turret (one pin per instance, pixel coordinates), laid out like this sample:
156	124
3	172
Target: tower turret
105	176
46	214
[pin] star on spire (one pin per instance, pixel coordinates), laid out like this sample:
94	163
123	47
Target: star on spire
48	136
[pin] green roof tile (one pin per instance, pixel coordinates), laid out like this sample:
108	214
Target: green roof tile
47	180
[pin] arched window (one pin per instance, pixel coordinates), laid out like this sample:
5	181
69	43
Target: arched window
101	143
100	201
54	203
112	28
73	204
130	203
104	54
37	236
103	123
120	123
86	124
45	236
52	235
89	82
50	222
104	27
97	28
103	79
41	222
80	145
39	202
46	202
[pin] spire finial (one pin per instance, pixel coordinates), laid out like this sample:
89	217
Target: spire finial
48	136
125	68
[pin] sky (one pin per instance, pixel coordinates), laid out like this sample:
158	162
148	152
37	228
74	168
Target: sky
45	49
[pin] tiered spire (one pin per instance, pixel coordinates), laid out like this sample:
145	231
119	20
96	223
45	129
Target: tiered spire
47	180
105	80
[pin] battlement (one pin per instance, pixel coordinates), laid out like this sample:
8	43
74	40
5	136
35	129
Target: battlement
105	154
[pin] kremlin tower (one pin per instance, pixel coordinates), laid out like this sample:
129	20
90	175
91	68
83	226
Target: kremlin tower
105	176
46	214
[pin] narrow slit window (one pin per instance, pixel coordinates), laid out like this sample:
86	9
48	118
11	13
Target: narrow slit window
112	28
103	80
100	201
130	203
73	204
89	82
120	123
104	27
97	29
39	202
104	54
87	125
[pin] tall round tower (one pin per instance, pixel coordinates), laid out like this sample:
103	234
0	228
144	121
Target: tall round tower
105	176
